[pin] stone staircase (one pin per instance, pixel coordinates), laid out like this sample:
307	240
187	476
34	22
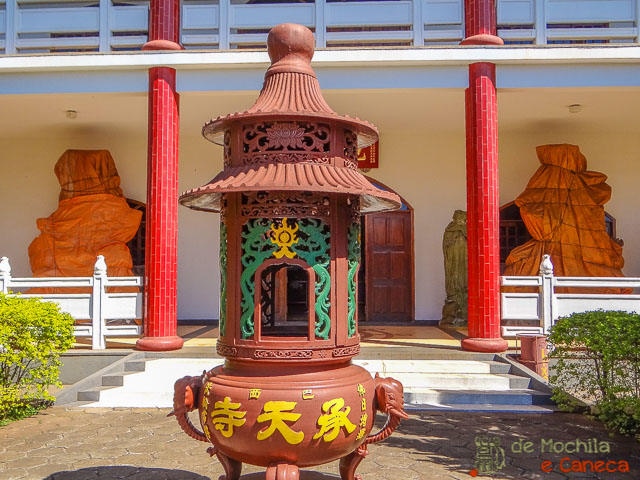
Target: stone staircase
460	382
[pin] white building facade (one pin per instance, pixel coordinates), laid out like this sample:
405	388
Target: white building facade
396	64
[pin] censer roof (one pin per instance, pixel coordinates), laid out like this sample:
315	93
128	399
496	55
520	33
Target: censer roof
291	93
291	177
290	90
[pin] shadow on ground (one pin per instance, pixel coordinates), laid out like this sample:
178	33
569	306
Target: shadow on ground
121	472
449	439
140	473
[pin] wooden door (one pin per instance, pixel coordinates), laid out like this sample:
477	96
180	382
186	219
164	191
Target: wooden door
389	267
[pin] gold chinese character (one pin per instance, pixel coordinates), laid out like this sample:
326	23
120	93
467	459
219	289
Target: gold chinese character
278	413
363	404
225	417
361	390
205	402
361	433
307	395
203	416
333	419
363	420
206	432
254	393
207	389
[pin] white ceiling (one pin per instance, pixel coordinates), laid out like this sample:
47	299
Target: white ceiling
413	109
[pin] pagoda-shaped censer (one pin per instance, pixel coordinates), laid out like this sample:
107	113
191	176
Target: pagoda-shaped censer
290	199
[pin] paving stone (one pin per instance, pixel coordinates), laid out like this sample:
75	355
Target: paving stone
139	444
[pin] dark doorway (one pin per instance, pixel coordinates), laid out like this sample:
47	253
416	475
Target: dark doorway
386	278
284	301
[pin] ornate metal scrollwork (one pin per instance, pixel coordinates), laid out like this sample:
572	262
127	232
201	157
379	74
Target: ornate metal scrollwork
283	353
286	143
261	204
351	149
353	238
346	351
227	149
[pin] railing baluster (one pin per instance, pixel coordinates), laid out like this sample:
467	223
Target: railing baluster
11	7
418	24
547	293
105	27
637	25
98	305
223	25
321	25
5	275
541	22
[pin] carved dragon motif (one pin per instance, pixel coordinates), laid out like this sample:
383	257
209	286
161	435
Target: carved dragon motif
185	400
389	399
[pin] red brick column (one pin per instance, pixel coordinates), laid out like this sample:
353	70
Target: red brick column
160	315
483	219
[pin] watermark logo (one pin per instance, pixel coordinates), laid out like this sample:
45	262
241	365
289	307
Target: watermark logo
489	456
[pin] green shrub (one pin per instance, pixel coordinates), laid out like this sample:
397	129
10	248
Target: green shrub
598	357
33	334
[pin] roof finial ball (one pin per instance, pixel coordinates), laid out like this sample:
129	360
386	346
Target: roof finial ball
290	48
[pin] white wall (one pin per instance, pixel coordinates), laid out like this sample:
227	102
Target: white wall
428	170
30	190
425	163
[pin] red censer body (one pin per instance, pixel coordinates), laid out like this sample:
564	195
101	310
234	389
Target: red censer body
290	198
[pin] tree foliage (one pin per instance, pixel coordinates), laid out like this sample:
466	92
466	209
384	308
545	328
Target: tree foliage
598	359
33	335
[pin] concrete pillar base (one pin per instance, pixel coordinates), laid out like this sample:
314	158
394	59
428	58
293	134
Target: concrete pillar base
159	344
485	345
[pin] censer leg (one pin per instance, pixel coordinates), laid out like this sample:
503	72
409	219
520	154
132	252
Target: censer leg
283	471
232	467
349	464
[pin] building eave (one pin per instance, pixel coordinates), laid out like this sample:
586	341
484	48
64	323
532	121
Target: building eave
426	56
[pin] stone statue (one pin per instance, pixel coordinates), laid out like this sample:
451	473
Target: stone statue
454	248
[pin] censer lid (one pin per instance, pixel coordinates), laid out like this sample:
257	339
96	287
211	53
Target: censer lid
290	89
289	102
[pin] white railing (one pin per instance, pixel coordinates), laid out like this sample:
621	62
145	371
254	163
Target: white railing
543	308
99	306
110	25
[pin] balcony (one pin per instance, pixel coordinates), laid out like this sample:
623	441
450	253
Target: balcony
56	26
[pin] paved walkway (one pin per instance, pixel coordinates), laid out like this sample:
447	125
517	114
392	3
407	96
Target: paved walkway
143	444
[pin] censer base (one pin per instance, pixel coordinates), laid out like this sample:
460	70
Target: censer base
284	417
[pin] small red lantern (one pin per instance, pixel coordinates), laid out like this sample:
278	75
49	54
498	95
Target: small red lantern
290	199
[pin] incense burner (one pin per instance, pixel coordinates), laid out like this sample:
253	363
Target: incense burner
290	199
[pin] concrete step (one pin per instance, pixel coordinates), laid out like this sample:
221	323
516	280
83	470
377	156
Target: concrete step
524	409
160	374
476	397
389	367
428	383
94	394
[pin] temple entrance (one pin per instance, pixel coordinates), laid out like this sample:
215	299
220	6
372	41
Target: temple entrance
386	277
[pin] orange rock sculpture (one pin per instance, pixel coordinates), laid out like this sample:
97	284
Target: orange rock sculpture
93	218
563	209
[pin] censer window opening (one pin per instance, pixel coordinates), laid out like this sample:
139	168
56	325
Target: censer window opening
284	301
